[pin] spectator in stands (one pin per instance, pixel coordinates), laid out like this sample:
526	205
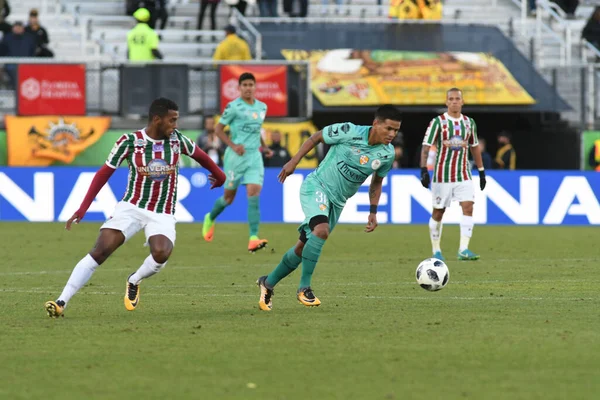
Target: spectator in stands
591	32
280	156
40	33
209	142
430	9
532	6
232	48
17	43
594	156
142	41
268	8
159	11
485	156
241	5
506	158
213	13
568	6
5	27
398	144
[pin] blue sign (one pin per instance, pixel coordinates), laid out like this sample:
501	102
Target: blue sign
511	197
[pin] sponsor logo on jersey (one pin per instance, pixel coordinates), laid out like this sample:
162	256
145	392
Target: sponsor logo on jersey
139	142
156	147
263	114
363	160
455	143
322	207
376	164
350	173
158	170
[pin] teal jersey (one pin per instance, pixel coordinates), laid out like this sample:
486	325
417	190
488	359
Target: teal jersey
350	161
245	122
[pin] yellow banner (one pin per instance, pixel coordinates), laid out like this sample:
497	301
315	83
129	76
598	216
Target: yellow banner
346	77
293	134
41	141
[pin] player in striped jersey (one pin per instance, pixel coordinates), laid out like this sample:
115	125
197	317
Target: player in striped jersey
453	133
149	201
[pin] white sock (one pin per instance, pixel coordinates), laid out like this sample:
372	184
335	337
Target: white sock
81	274
148	268
466	231
435	233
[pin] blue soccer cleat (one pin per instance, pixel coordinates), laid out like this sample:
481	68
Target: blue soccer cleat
467	255
439	256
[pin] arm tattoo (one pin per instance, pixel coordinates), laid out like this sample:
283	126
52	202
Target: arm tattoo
372	191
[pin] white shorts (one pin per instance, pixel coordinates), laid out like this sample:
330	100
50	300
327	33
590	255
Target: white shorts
442	194
130	219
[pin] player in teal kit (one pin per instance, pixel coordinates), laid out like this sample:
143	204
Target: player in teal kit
356	153
243	163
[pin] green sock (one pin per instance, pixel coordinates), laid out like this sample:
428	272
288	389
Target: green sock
310	256
218	208
253	215
288	264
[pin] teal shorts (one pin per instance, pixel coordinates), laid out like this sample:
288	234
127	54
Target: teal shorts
314	201
246	170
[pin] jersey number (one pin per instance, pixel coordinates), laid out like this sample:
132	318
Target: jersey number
320	197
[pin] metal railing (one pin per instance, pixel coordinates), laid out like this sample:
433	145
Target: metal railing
103	83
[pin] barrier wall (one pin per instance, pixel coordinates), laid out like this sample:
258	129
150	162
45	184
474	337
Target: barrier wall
524	197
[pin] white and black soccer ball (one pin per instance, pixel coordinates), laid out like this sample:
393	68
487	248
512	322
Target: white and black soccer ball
432	274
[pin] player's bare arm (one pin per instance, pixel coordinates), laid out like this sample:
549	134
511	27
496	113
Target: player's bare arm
374	195
476	152
266	150
307	146
220	131
425	179
100	179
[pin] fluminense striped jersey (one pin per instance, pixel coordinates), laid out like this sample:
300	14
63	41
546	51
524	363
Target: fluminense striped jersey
153	168
452	136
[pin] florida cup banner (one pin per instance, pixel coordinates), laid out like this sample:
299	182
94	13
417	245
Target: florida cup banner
510	198
43	141
350	77
271	86
51	89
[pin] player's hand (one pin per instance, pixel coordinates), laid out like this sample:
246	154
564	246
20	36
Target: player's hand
482	179
286	171
75	218
372	223
239	149
215	183
425	179
268	153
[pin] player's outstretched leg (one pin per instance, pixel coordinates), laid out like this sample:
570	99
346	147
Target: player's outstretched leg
466	231
310	257
208	227
81	274
286	266
435	234
254	243
160	250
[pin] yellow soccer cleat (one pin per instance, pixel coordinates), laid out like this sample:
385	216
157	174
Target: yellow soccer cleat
55	308
308	298
208	228
265	303
255	244
132	296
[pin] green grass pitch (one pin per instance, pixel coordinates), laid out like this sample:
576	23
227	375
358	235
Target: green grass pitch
521	323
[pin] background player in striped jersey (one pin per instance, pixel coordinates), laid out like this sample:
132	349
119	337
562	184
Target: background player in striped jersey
243	163
149	201
453	133
356	153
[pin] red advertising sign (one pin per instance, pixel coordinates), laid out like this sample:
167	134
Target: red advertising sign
271	86
51	89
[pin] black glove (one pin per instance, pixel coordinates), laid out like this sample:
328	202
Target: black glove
482	179
425	179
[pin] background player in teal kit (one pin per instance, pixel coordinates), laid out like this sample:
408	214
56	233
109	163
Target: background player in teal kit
243	163
356	153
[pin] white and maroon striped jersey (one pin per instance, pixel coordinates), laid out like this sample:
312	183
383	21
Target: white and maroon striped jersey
452	136
153	168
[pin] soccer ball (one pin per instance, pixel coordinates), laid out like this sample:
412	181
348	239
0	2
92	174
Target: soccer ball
432	274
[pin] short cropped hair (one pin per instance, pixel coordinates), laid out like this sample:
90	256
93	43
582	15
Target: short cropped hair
245	76
388	112
161	107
